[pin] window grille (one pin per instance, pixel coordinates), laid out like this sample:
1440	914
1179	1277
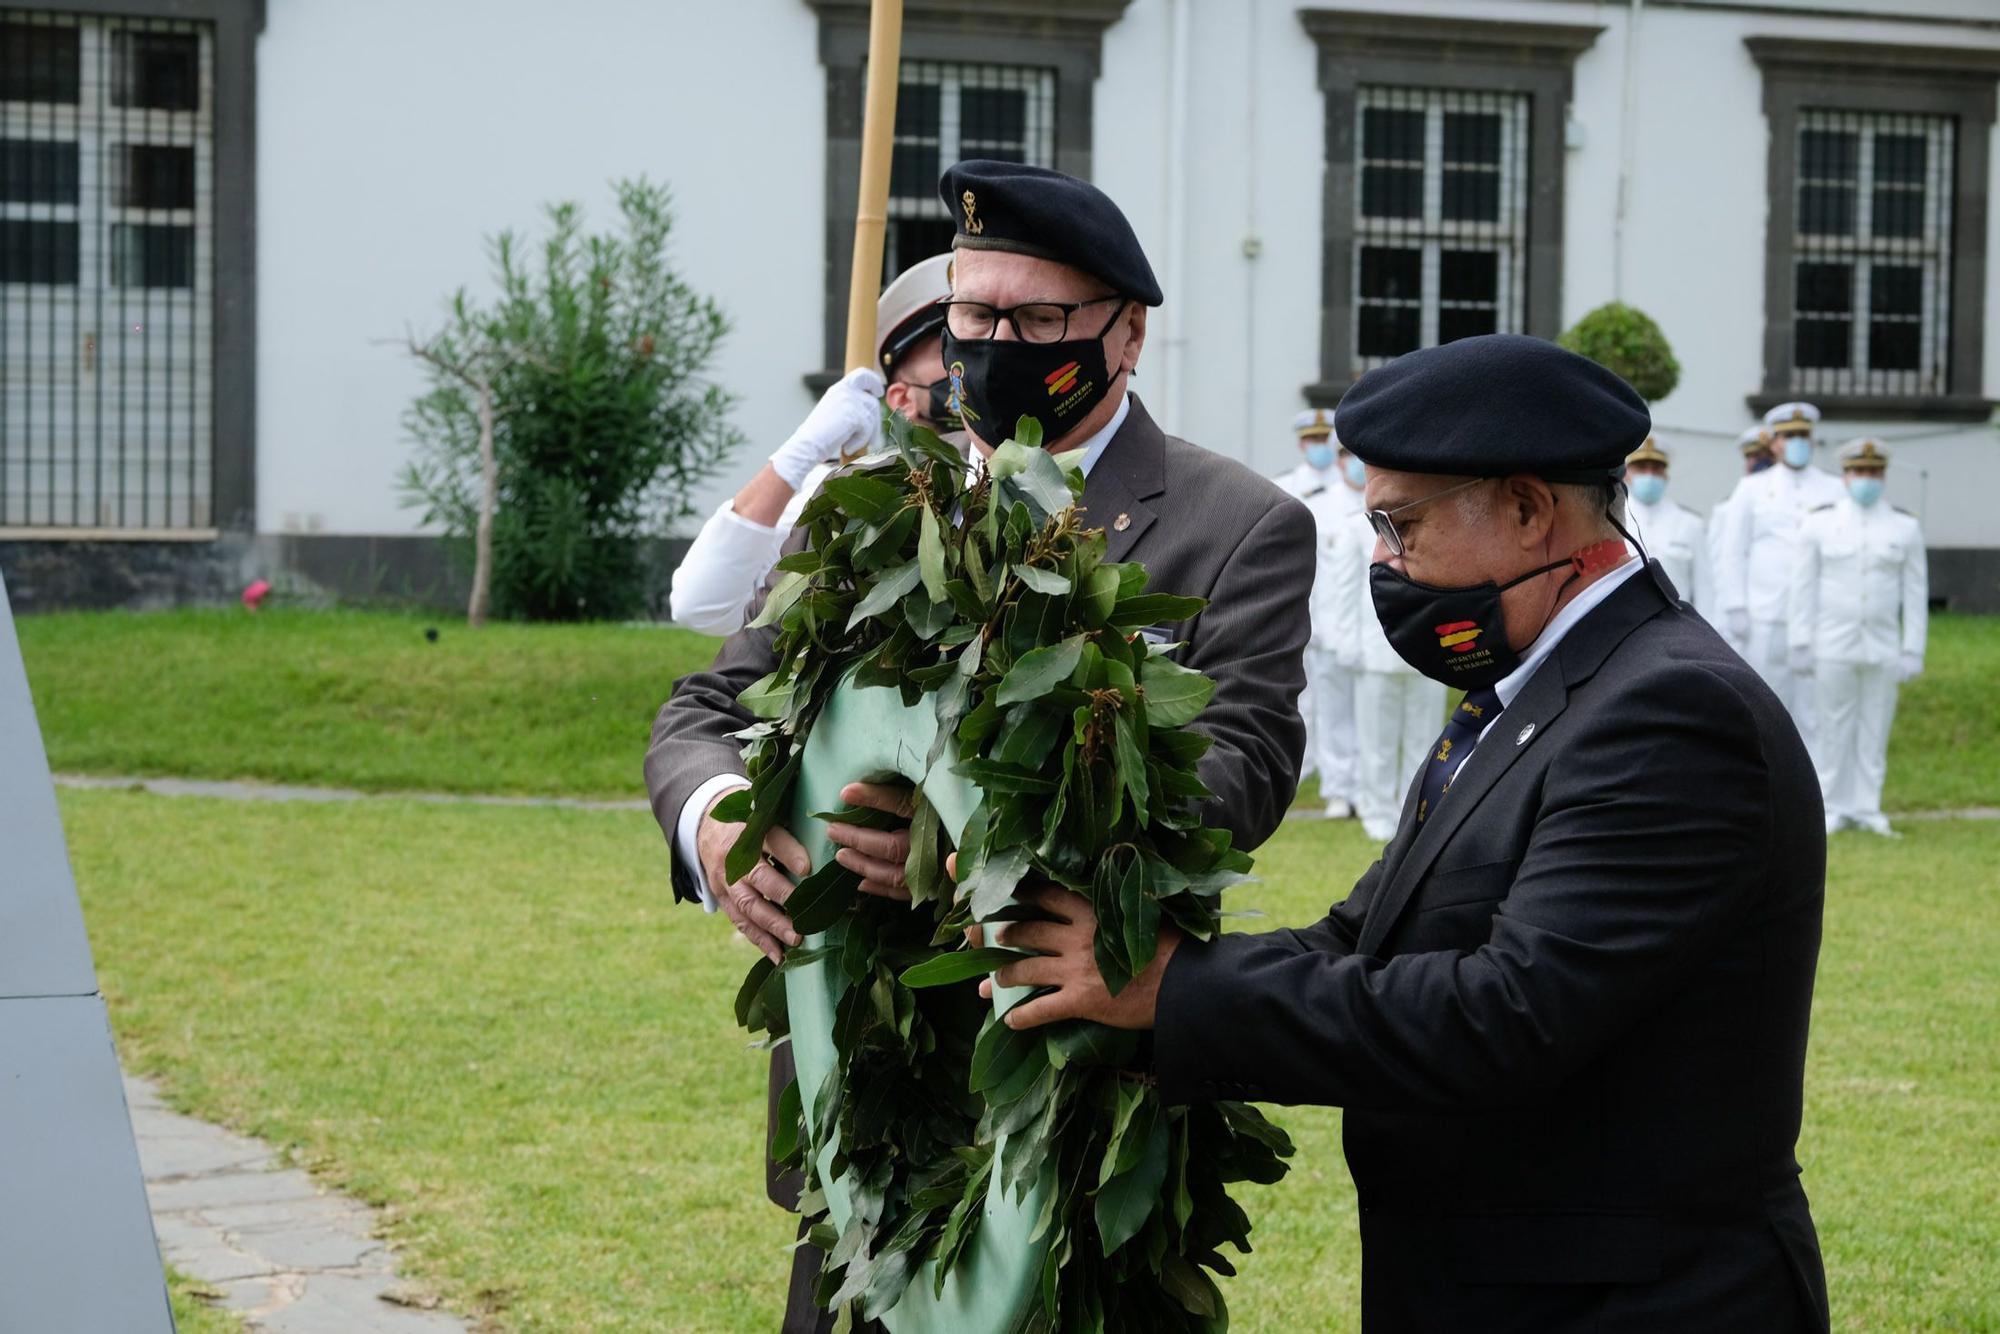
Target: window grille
947	112
1440	219
106	272
1871	253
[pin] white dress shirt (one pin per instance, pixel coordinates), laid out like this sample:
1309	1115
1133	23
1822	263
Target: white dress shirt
689	823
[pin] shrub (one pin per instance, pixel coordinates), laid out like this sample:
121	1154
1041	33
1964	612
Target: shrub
602	421
1625	340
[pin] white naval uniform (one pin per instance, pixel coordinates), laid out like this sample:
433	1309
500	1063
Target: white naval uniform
1718	532
1327	704
1754	574
727	562
1675	536
1860	598
1397	713
1298	482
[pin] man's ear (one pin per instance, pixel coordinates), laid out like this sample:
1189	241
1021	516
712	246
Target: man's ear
902	398
1135	339
1531	507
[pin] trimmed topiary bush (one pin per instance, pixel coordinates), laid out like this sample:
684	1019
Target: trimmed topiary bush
1623	339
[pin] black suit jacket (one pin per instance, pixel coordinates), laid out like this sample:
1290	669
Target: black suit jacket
1203	526
1566	1015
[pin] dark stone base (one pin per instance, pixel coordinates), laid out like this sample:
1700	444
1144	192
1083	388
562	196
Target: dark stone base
325	568
1965	578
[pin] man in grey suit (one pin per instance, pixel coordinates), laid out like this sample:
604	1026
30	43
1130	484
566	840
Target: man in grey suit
1048	318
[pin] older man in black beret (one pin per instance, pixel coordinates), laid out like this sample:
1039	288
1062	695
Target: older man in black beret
1566	1010
1047	321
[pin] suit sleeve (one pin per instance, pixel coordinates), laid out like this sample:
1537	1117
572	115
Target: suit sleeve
1916	594
691	736
1251	640
1622	889
1802	606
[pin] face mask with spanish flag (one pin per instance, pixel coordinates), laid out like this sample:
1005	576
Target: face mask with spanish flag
1459	635
996	382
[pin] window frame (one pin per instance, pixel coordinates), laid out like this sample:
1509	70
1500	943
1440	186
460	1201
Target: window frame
233	451
1447	55
1067	39
1431	234
1805	76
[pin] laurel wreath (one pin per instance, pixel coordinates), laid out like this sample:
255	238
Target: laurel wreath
987	595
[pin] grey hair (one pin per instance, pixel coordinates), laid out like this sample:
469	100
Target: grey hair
1604	501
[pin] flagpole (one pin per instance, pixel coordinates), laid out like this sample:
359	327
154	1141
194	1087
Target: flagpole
878	137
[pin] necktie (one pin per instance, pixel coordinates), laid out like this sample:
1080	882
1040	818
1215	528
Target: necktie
1461	733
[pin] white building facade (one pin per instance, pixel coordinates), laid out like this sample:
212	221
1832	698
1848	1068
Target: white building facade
217	220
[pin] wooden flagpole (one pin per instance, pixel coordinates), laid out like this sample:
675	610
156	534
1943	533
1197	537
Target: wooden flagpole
878	138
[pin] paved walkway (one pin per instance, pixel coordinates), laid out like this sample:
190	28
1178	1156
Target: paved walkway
233	790
290	1257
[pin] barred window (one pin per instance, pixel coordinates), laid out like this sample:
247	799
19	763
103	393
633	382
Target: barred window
946	112
1441	219
1872	253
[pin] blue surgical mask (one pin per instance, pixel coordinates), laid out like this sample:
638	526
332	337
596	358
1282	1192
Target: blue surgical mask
1647	487
1357	472
1865	490
1320	456
1798	450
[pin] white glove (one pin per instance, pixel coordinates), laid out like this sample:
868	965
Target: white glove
1739	624
1912	667
846	420
1802	662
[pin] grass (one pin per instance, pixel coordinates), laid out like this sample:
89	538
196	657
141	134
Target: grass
361	699
492	1022
353	698
194	1309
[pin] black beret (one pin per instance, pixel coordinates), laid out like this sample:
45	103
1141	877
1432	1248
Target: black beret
1035	211
1492	406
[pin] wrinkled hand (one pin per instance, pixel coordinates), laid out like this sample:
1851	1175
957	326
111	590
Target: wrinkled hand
1739	624
754	903
846	420
1802	662
876	855
1068	963
1911	667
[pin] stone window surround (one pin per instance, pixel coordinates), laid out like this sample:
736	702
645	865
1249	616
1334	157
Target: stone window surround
1403	50
1817	74
233	494
1063	35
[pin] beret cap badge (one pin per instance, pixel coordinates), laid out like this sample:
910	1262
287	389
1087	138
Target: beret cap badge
973	226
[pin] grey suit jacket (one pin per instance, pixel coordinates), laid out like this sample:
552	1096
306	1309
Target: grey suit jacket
1203	526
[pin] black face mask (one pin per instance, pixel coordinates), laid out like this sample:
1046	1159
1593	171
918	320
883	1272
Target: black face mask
995	382
1454	635
939	414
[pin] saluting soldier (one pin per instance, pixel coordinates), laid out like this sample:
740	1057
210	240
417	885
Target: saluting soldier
1326	482
1860	610
739	544
1755	576
1672	534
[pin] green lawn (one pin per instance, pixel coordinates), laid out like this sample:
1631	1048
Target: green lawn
194	1312
493	1022
353	698
361	699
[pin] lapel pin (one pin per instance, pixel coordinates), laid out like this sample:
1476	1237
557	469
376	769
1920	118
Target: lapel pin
1522	738
1122	522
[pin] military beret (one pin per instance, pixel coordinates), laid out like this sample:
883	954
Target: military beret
1491	406
1048	214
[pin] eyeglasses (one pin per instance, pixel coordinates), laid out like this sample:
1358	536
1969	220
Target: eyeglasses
1384	521
1033	321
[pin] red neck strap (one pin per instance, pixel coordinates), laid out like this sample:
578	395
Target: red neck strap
1599	556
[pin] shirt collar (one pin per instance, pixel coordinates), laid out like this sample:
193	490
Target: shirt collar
1093	448
1510	685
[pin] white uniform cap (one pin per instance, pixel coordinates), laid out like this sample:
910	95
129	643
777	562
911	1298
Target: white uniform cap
1864	453
1792	418
1313	421
908	309
1755	440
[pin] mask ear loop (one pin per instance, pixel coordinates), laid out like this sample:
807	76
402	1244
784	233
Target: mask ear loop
1626	492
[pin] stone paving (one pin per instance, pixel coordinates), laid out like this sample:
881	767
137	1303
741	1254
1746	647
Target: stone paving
287	1255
